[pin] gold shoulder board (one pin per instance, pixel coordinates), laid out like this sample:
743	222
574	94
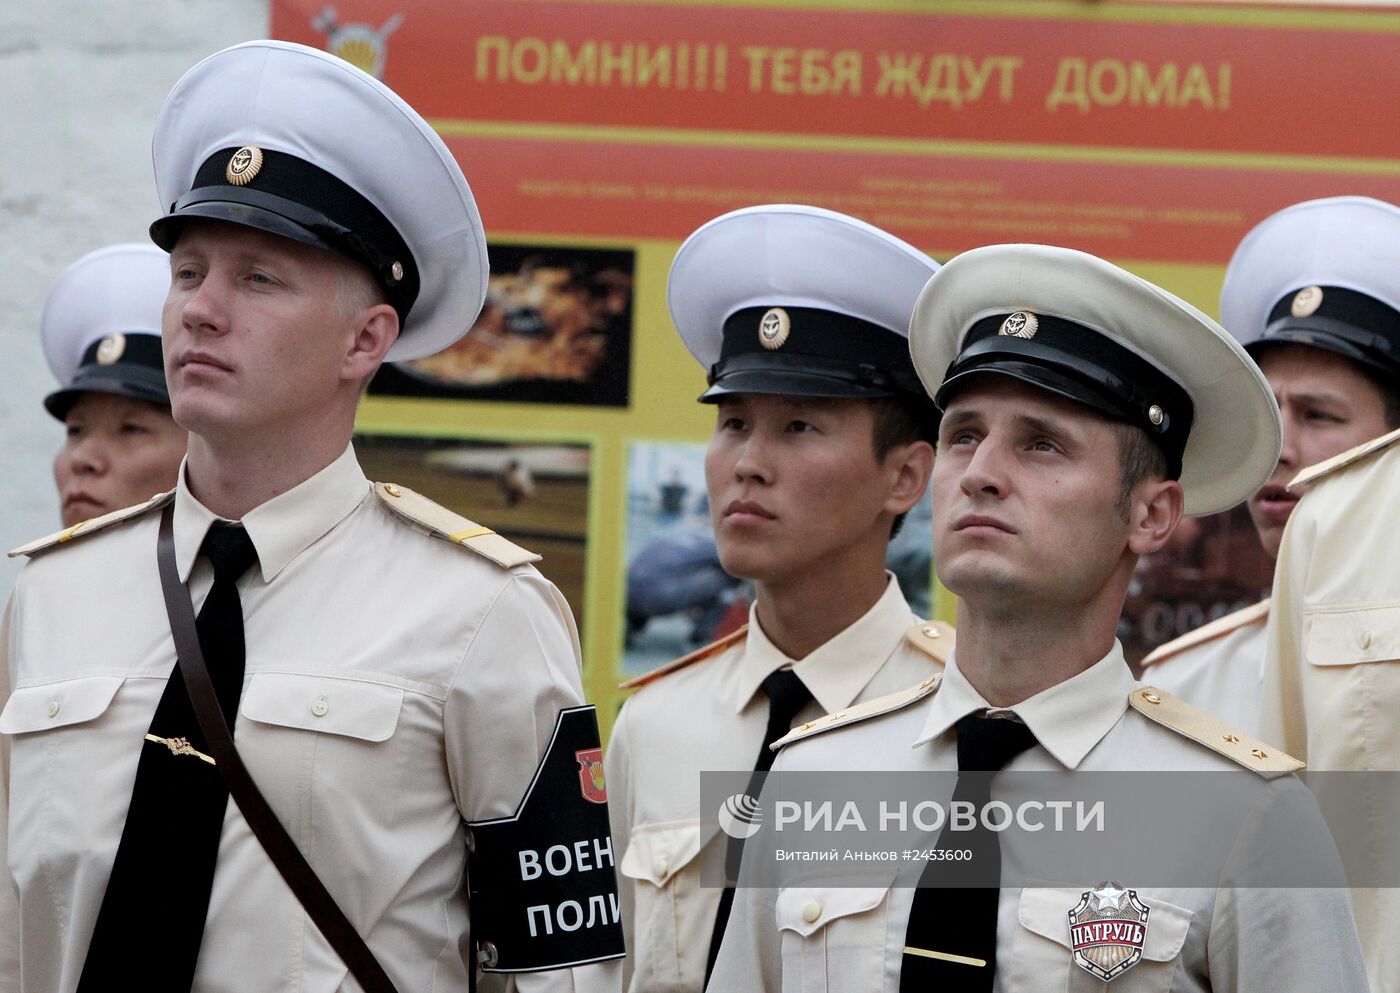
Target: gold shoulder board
934	638
862	711
699	655
1257	756
443	523
1217	628
92	525
1351	456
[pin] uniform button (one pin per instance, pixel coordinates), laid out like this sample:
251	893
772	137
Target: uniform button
661	865
931	632
1151	697
53	708
319	706
392	490
811	912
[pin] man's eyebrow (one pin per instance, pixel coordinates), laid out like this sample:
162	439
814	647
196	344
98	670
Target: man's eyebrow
962	416
1043	425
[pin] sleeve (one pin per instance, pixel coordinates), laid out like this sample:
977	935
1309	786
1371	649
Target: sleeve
9	898
1282	718
617	765
750	956
525	766
1283	917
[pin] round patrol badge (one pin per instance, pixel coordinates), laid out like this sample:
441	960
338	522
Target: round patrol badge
110	349
1022	324
774	328
1306	301
243	165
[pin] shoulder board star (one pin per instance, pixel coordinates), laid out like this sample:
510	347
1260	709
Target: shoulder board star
1206	729
862	711
92	525
1351	456
443	523
699	655
934	638
1258	613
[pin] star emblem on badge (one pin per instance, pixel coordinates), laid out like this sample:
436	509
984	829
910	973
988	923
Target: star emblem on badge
1107	896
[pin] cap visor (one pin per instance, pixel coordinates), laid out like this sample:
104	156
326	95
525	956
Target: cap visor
1301	334
59	402
1041	378
165	231
785	382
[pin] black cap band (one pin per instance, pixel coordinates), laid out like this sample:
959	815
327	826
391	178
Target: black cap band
137	372
290	197
1351	324
1076	362
806	351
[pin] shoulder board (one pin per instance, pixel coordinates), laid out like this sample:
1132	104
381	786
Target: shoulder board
699	655
861	711
934	638
443	523
93	525
1313	473
1206	729
1209	632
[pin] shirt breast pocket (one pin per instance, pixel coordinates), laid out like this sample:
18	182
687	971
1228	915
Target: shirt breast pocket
1352	637
324	739
1042	954
833	938
674	915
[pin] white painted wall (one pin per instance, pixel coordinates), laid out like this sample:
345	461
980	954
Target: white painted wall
80	82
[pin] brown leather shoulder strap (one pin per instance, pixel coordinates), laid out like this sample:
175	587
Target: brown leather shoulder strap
278	844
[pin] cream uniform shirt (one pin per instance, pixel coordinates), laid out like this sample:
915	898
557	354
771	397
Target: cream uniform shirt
396	685
708	714
840	940
1216	667
1331	692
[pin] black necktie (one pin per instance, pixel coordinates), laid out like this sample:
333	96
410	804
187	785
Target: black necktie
151	923
786	697
962	920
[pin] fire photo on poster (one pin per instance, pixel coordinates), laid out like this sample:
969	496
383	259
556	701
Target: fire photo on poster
556	328
678	595
534	494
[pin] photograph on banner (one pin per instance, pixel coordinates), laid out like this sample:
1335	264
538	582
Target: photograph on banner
556	328
1211	567
536	495
678	595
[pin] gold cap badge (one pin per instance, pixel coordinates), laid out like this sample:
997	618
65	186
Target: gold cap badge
243	165
774	328
1306	301
110	349
1022	324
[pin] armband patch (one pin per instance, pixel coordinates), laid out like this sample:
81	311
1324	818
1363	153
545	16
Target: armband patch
542	883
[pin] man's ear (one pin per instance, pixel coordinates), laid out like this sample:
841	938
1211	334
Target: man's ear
377	328
1153	513
911	465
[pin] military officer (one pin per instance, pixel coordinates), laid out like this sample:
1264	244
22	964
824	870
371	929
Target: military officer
389	670
1084	411
1331	682
1312	294
822	442
101	334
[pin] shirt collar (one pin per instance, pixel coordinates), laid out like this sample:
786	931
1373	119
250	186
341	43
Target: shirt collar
282	527
838	670
1068	719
